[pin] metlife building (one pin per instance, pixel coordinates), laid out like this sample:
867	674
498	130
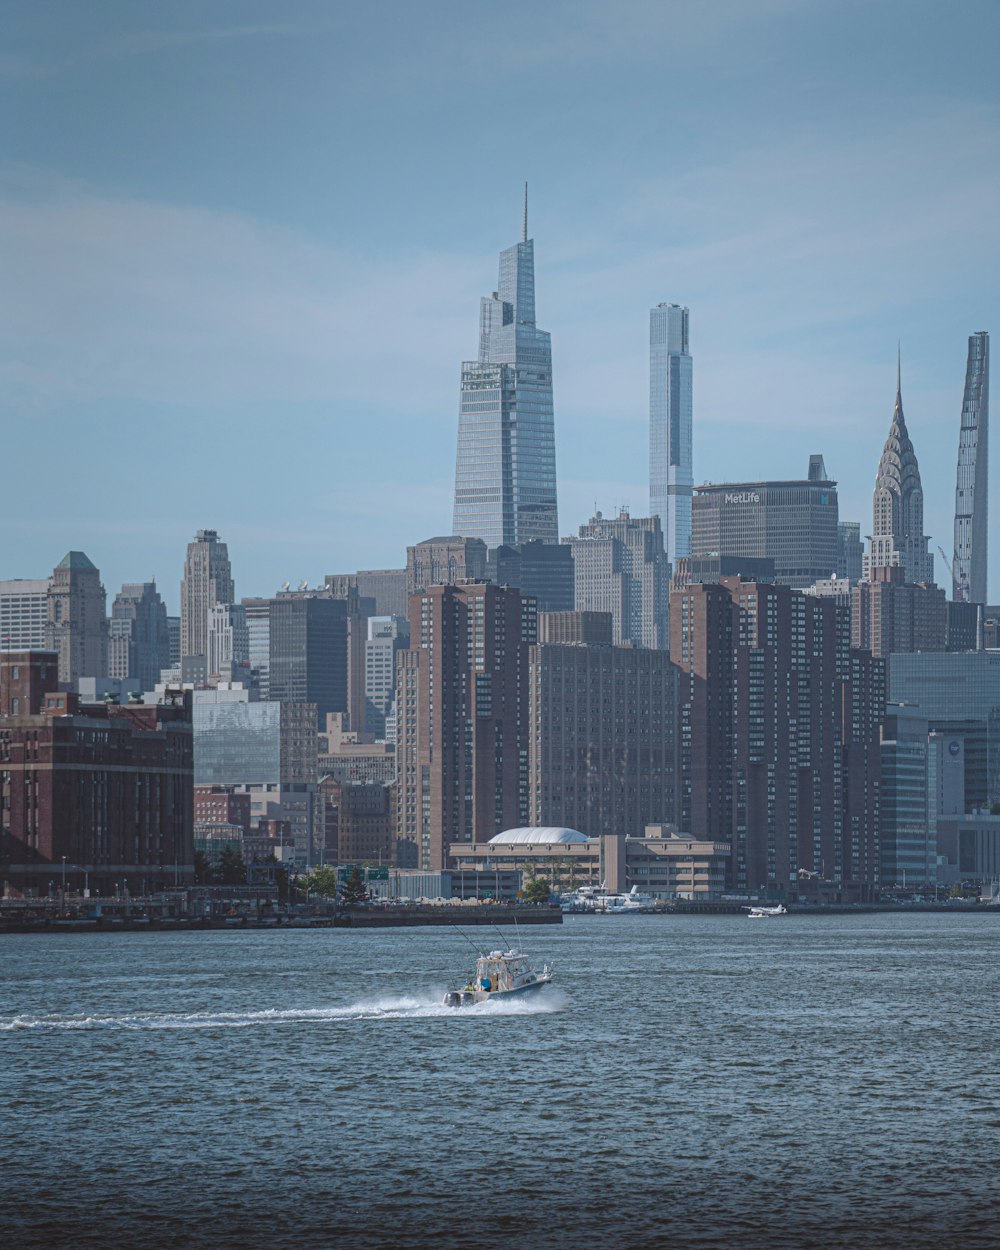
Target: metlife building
792	523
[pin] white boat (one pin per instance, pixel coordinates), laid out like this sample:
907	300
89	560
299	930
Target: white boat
761	913
591	899
500	974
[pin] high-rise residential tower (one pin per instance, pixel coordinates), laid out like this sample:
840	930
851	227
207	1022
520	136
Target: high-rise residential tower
505	474
671	473
208	580
972	489
897	536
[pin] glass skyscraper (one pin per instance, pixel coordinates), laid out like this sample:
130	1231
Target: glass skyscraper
671	469
505	475
969	570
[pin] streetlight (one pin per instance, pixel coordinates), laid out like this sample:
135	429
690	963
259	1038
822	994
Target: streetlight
62	890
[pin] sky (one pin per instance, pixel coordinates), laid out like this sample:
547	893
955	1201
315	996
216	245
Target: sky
242	247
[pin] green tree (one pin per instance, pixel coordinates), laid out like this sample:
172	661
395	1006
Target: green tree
202	869
322	881
537	890
231	870
353	889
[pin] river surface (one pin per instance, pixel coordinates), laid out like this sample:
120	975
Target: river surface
692	1082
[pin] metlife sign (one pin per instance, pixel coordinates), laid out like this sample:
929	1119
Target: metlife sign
742	496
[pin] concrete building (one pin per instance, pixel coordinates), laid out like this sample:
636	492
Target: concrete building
228	655
349	755
138	635
387	636
208	580
671	411
385	587
444	562
890	615
593	628
778	738
968	849
24	613
972	487
620	566
602	743
92	797
793	523
462	712
77	623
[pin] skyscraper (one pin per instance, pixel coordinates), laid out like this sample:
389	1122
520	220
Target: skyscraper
208	580
77	625
671	473
898	507
619	566
972	489
505	473
139	639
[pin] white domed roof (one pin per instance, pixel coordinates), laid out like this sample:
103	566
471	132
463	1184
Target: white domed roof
535	835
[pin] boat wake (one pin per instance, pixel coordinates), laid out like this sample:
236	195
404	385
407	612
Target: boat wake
397	1008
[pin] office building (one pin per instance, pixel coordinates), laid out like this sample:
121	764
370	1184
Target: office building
958	692
258	614
591	628
387	635
266	750
24	613
174	634
793	523
850	551
138	636
542	570
363	820
505	475
208	580
778	738
601	745
461	737
907	819
385	587
691	569
671	406
970	568
349	755
307	651
620	566
93	797
77	624
228	657
444	561
898	536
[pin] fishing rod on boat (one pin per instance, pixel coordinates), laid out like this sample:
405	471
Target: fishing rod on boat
466	936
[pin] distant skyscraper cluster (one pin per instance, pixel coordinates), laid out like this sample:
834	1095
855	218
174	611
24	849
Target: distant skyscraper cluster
731	683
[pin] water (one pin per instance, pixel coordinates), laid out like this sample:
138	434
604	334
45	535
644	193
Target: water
696	1082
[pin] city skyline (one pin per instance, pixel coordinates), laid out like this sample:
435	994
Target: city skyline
174	306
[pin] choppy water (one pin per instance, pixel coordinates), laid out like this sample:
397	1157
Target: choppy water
699	1082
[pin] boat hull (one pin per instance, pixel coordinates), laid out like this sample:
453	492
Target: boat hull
468	998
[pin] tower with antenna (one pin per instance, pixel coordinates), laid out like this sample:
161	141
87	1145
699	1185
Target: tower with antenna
972	485
505	473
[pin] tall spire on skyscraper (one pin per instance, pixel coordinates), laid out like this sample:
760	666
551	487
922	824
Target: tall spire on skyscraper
969	569
898	503
505	475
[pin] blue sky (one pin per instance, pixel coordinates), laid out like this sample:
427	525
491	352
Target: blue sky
243	244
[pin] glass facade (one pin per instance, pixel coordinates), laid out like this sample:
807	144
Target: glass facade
236	742
505	473
969	570
671	403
